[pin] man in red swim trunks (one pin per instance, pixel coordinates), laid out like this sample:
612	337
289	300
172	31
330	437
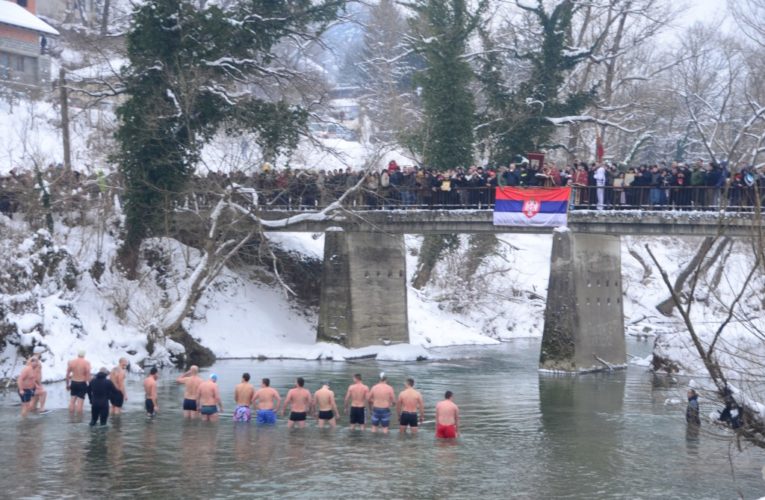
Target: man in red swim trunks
447	418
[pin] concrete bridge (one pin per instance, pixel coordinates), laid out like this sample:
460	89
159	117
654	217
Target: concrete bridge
363	289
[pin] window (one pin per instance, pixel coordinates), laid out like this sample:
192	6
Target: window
19	66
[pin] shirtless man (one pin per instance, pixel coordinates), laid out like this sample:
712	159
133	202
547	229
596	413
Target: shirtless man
77	376
38	401
150	389
266	401
357	395
299	400
244	395
27	383
117	376
408	404
325	403
191	381
208	399
381	398
447	418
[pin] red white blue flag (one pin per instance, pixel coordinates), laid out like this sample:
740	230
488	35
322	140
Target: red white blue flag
531	206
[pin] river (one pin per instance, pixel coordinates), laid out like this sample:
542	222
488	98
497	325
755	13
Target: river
524	435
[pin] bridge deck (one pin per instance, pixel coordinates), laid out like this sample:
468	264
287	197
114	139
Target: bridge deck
625	222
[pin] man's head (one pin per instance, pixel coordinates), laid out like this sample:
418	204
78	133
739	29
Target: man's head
357	377
383	377
154	372
213	377
409	382
123	362
266	382
193	369
246	377
81	353
300	381
34	362
448	395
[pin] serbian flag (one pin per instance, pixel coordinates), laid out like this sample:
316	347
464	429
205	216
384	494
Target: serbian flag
531	206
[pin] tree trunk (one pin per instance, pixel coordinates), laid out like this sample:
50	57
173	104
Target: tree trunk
668	305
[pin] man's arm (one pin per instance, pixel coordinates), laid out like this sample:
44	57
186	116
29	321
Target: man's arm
68	375
438	416
370	399
287	400
421	403
278	398
398	406
334	404
154	398
457	420
345	401
217	398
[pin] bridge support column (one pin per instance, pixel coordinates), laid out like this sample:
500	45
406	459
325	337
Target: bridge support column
363	289
584	317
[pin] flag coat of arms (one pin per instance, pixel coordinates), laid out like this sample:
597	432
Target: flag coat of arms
531	206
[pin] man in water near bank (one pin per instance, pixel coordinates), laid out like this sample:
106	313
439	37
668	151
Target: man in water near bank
267	402
191	381
150	390
26	383
408	405
208	399
77	376
381	398
244	395
117	377
447	418
324	399
299	400
357	394
100	391
38	401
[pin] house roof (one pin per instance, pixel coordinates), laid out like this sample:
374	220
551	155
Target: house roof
15	15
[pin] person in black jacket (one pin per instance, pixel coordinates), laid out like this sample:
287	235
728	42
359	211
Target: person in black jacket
100	391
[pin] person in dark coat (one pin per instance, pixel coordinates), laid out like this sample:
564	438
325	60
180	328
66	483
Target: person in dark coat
100	391
692	411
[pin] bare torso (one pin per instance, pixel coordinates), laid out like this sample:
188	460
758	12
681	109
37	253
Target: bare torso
80	370
117	376
265	398
207	393
244	393
27	378
299	399
447	413
191	386
150	388
381	396
410	400
357	393
325	399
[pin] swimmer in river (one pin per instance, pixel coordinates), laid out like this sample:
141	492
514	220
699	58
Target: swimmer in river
244	395
381	398
357	395
27	382
150	390
38	400
117	377
324	399
77	377
267	402
299	400
408	405
208	399
100	391
191	381
447	418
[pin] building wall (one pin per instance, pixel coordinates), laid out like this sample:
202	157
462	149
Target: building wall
20	58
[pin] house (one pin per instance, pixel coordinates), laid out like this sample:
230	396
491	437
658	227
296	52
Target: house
23	41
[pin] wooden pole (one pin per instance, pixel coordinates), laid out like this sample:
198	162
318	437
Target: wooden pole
65	119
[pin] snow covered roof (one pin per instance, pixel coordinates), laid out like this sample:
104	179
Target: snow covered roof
15	15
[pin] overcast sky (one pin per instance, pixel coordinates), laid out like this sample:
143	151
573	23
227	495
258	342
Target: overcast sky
702	10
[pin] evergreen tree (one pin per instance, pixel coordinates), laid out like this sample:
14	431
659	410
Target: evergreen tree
191	72
516	116
440	33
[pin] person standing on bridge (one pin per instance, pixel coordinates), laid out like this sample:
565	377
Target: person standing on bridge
600	182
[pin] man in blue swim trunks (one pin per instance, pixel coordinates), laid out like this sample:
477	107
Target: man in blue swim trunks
267	401
381	398
27	382
208	399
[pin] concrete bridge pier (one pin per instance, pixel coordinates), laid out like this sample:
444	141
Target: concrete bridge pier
363	289
584	316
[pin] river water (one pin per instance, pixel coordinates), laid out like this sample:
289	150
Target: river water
524	435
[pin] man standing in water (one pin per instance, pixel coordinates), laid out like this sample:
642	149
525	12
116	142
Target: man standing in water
150	390
117	377
38	401
447	418
267	401
27	383
407	406
244	395
357	395
77	376
191	381
100	391
208	399
325	403
381	398
299	400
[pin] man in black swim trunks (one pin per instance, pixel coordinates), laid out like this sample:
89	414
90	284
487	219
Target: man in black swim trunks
324	400
191	381
408	403
357	396
77	376
150	390
27	383
299	400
